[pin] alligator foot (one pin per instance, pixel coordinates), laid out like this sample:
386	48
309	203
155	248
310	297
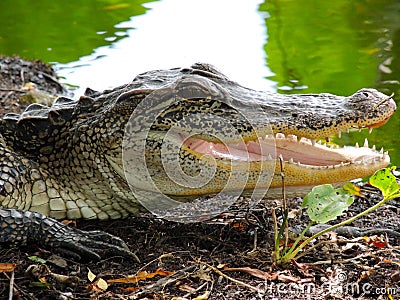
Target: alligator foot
25	227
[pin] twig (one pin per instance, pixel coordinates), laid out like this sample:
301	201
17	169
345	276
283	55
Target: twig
11	292
13	90
27	296
163	282
238	282
284	205
196	290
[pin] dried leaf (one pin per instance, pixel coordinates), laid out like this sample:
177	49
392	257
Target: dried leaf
203	297
90	275
352	189
7	267
375	241
141	276
254	272
102	284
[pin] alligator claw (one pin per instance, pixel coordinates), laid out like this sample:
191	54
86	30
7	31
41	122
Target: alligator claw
25	227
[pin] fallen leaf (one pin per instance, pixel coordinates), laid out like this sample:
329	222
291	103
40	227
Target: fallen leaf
7	267
140	276
203	297
91	276
102	284
375	241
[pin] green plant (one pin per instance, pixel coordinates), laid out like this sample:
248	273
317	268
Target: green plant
325	203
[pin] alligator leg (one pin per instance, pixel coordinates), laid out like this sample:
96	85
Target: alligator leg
25	227
19	225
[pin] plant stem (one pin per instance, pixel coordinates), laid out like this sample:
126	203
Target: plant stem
333	227
288	255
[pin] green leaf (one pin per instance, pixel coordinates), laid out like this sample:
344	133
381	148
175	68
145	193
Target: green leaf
325	203
37	259
385	181
352	189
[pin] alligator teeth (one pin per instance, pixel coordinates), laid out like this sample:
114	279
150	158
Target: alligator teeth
319	142
313	142
366	143
291	160
370	130
348	130
292	137
269	156
357	145
280	135
359	129
381	151
373	148
339	134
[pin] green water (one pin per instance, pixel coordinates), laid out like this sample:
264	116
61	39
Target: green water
305	46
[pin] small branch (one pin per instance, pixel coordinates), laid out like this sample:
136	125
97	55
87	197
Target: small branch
284	204
11	292
238	282
13	90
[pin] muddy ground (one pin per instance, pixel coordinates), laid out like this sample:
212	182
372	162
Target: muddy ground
229	257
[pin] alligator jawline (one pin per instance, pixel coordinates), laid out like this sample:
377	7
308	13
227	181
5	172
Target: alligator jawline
293	150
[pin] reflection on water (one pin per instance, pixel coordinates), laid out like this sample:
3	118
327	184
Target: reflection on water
337	47
229	34
289	46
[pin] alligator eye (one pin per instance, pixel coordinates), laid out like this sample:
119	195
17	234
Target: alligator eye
365	94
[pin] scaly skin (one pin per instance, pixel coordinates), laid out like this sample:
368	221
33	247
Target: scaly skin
67	161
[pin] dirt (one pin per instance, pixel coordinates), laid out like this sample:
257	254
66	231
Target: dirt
229	257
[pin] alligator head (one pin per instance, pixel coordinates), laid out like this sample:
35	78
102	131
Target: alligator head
189	132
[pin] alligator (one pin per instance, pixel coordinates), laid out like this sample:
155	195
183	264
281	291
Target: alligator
67	160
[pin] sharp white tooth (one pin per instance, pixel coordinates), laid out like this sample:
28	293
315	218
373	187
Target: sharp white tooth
269	156
339	134
370	130
342	164
280	135
298	163
381	151
386	153
348	130
291	160
359	129
366	143
332	146
281	157
313	142
319	142
357	145
373	148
